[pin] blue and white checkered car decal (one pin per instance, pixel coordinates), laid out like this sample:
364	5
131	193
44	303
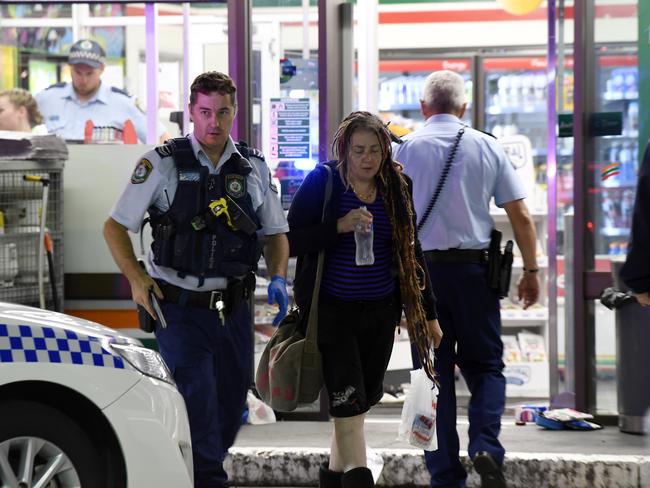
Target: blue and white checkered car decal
29	344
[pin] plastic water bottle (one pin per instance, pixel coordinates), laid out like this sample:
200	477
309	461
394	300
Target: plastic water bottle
363	237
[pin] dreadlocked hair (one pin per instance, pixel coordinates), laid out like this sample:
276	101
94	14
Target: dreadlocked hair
393	188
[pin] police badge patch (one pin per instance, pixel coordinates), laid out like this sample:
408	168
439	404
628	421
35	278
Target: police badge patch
141	172
236	185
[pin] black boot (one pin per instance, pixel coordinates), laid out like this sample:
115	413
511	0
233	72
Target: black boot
358	478
490	471
328	478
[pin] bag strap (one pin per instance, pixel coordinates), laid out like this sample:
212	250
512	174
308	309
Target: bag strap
312	323
443	178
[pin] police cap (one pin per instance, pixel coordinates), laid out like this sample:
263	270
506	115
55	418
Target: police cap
87	52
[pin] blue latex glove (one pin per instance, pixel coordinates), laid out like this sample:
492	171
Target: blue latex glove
278	294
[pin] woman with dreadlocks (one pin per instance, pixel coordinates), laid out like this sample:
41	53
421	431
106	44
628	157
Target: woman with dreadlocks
359	306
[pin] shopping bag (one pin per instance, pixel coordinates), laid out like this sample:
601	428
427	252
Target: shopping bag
259	413
289	372
418	424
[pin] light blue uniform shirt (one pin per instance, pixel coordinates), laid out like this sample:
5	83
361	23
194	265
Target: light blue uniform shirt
66	116
158	190
461	218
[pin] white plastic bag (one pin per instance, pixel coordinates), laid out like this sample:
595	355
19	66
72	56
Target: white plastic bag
259	413
418	425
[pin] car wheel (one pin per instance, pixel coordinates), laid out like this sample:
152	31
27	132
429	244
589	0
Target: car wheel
41	446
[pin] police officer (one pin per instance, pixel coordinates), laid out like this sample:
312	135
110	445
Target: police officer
453	236
635	273
67	106
206	198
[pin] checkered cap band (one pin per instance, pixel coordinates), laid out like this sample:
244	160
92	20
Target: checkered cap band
30	344
86	51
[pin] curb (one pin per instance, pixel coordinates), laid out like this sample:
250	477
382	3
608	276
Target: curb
406	468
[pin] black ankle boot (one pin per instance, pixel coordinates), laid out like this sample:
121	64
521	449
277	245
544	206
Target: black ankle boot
328	478
358	478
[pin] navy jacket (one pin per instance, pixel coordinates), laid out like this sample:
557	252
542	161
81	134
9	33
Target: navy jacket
308	235
635	273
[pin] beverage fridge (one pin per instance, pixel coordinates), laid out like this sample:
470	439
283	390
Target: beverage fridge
616	161
400	89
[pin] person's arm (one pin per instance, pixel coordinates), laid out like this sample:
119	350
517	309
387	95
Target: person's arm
526	237
307	233
119	243
635	273
276	254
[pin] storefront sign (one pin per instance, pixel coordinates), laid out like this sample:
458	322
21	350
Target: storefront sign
289	131
606	124
600	124
565	125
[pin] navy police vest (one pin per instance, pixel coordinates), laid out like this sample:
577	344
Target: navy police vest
209	229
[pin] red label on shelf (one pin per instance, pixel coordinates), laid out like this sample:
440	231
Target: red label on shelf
428	65
531	63
616	61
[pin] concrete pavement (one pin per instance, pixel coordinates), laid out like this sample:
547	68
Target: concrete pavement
288	454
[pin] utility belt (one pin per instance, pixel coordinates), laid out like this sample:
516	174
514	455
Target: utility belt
223	301
499	264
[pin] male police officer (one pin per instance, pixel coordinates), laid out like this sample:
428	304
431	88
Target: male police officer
454	237
635	273
206	198
67	106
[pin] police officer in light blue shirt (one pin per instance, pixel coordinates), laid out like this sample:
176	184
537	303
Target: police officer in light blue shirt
454	232
212	206
67	106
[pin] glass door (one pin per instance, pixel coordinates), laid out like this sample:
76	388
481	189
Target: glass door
606	127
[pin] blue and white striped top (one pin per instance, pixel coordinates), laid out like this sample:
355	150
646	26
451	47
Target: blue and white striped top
342	278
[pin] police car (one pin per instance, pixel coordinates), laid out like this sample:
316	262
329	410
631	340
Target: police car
82	406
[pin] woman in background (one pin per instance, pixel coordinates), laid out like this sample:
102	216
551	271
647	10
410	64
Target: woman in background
360	305
19	112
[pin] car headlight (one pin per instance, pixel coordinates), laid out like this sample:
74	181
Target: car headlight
146	361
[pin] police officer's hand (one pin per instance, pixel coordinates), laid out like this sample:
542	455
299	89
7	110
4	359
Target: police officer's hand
643	298
140	287
278	294
528	288
349	221
434	330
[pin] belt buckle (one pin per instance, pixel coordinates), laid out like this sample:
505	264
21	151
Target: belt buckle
216	300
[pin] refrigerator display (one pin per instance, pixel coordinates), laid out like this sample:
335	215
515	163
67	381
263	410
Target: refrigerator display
515	102
400	89
616	157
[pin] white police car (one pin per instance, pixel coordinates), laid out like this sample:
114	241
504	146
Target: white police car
82	406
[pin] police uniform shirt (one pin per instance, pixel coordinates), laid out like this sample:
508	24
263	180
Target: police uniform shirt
154	183
66	116
481	170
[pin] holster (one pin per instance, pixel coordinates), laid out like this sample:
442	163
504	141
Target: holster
238	289
499	265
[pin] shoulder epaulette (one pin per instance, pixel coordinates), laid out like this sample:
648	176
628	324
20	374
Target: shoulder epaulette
60	84
175	145
164	150
485	132
247	151
120	91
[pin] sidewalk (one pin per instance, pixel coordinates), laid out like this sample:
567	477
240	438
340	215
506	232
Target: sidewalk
288	454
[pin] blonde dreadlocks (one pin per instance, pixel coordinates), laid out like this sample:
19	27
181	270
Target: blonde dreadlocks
393	188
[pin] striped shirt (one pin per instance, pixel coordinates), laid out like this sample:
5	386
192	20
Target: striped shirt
342	278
